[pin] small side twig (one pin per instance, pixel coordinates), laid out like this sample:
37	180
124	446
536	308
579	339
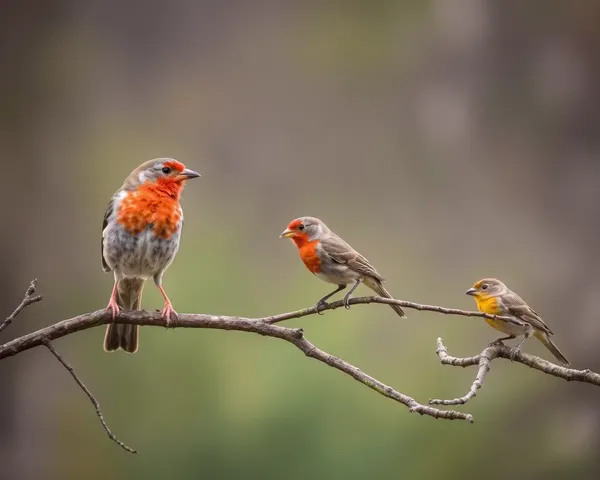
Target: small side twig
70	369
485	358
27	300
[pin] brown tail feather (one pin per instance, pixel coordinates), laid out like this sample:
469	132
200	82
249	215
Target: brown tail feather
129	297
550	345
380	290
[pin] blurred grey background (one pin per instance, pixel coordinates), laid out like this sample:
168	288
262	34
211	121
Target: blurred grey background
447	141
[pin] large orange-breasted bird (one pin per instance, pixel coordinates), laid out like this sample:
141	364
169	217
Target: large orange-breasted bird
334	261
494	298
140	237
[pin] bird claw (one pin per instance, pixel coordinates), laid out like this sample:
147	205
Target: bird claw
114	308
167	312
513	353
321	305
346	302
496	343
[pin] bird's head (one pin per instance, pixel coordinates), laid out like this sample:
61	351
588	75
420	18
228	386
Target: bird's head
163	172
304	229
488	287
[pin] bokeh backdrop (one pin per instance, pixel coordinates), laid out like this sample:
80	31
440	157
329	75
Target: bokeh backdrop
445	140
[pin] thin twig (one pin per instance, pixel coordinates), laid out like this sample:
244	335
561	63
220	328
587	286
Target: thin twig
27	300
386	301
485	358
70	369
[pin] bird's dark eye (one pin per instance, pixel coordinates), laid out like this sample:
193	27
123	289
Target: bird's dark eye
484	286
166	170
300	227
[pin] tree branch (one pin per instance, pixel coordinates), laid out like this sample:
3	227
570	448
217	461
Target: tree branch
485	358
266	326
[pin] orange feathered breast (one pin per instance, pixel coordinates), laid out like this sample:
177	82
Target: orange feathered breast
308	252
156	204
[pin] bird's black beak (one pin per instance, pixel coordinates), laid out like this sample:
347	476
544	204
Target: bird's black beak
471	291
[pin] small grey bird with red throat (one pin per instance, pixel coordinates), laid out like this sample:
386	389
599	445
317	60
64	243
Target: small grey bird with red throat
334	261
140	237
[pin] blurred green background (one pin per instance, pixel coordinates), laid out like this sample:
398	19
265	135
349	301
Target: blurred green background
445	140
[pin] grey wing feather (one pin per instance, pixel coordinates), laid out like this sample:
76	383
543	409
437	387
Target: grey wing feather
517	307
340	252
108	213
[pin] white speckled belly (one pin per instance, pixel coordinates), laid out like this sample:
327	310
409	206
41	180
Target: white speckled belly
139	256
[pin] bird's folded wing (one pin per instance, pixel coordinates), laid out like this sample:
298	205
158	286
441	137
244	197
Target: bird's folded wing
340	252
517	307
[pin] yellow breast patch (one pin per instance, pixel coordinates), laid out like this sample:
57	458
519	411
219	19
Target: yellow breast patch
489	305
